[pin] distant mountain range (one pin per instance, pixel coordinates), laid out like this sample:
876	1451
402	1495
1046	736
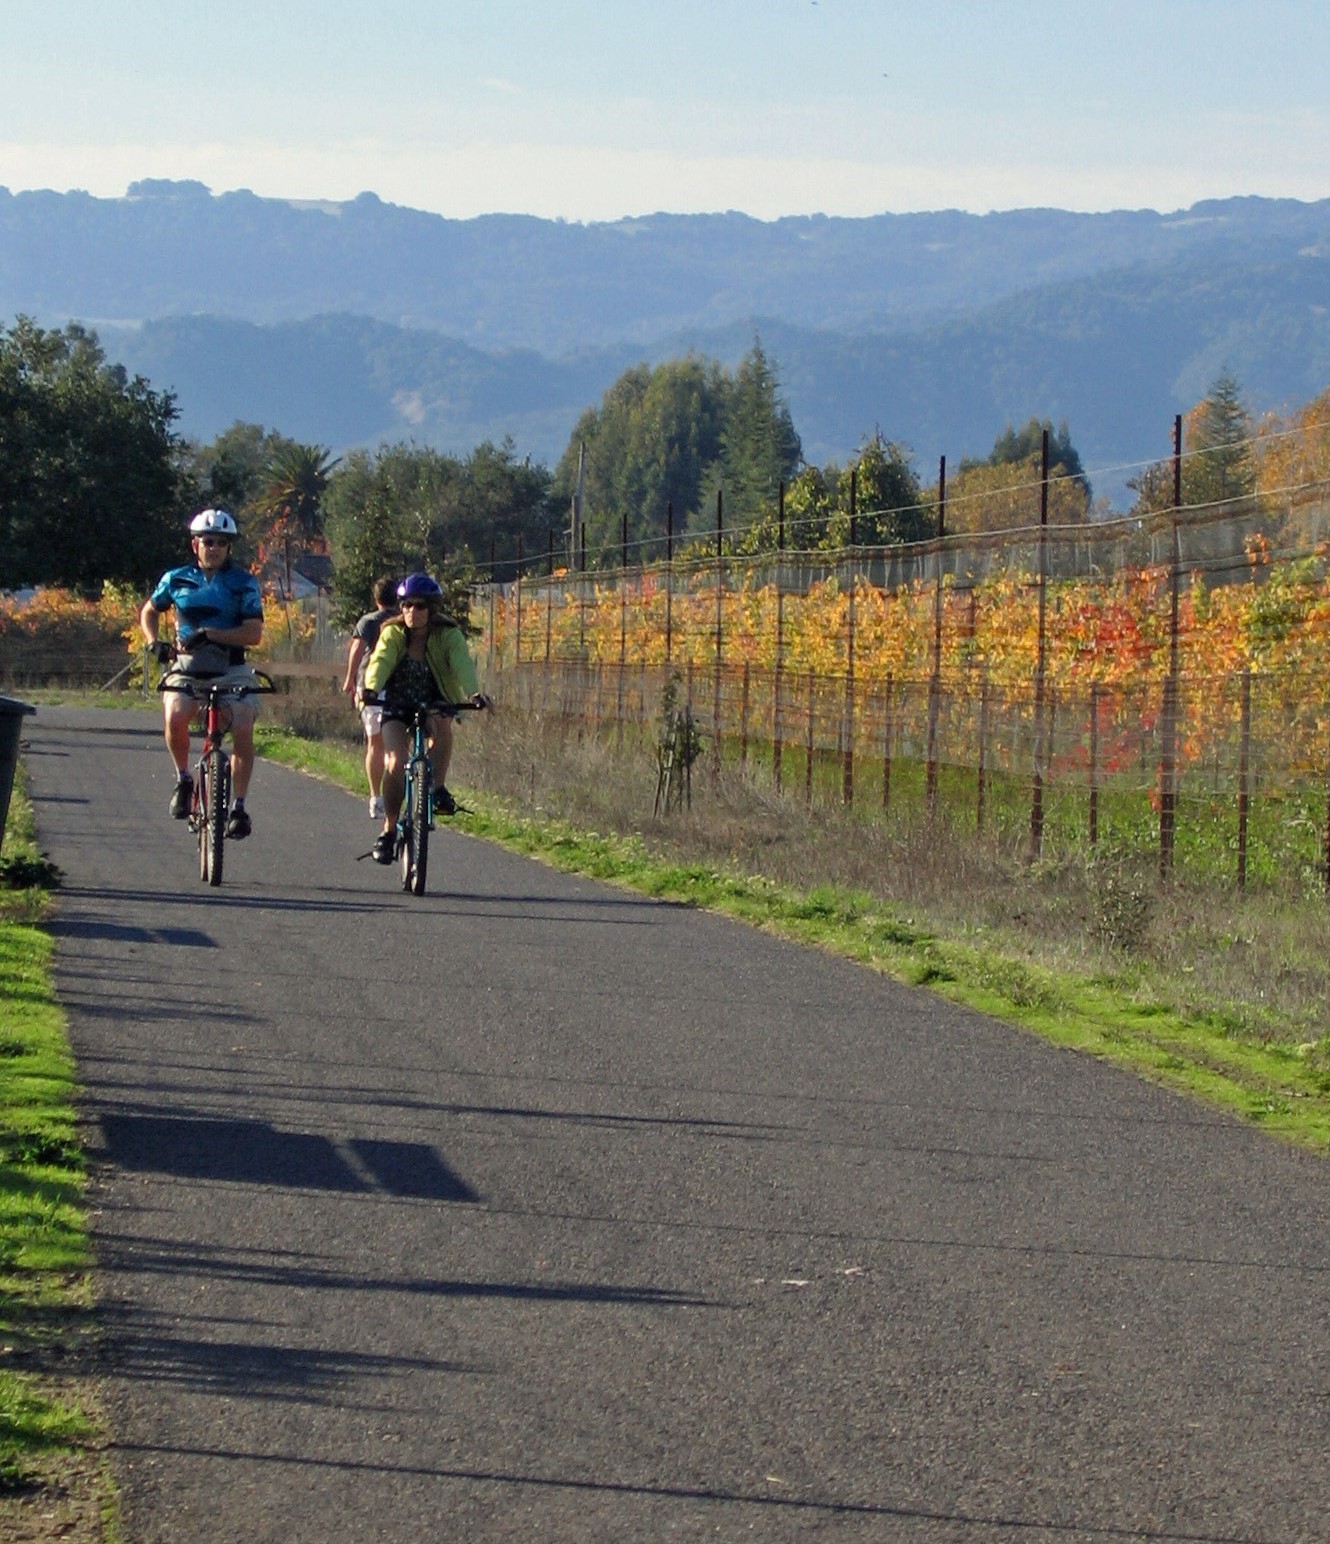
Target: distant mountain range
348	324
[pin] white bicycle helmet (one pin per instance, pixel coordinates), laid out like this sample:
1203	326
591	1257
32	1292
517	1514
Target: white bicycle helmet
213	522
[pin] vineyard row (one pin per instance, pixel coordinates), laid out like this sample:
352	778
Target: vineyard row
1197	685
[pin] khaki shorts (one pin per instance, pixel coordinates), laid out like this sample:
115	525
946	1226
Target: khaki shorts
237	675
371	716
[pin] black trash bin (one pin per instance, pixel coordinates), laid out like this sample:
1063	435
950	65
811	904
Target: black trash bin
11	721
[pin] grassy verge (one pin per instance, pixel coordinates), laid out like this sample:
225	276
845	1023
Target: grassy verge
1268	1063
52	1479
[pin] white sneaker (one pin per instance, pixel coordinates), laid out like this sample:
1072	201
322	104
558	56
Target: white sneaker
376	809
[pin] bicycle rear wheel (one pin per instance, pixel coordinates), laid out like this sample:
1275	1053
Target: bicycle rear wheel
214	792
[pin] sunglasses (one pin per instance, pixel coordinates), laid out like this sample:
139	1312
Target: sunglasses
213	541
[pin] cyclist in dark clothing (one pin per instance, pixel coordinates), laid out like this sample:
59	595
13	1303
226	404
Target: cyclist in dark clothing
363	639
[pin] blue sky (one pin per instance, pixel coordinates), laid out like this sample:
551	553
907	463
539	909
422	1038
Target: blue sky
595	112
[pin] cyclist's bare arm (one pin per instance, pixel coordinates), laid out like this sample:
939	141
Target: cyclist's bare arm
149	621
354	655
245	636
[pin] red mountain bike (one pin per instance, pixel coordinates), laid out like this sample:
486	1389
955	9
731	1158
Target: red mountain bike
211	798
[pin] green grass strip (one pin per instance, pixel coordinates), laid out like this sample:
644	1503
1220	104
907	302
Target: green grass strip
44	1255
33	1424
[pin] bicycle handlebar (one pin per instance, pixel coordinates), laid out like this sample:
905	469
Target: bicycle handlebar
376	700
188	686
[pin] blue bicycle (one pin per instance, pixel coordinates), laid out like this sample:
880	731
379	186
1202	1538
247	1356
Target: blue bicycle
416	820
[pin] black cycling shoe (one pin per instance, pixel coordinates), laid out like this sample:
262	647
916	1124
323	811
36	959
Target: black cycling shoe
384	844
181	799
239	825
444	803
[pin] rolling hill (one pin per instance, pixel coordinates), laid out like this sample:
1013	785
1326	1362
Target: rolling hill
351	323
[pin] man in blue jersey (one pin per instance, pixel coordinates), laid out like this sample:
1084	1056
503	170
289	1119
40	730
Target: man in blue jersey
218	615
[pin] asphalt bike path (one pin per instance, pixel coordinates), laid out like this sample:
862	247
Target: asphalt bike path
535	1209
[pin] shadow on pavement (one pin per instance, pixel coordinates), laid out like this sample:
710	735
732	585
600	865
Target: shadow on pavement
161	1356
256	1153
75	927
889	1520
49	729
294	1270
348	900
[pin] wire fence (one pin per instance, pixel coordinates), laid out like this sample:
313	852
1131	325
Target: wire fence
1159	680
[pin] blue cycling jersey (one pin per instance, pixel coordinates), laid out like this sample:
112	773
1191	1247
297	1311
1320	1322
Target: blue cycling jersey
225	598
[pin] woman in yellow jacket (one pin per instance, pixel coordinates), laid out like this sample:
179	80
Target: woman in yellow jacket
421	657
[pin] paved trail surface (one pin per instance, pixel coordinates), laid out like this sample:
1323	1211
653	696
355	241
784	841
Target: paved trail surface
533	1209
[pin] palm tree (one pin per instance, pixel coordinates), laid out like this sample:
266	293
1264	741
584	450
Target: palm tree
291	504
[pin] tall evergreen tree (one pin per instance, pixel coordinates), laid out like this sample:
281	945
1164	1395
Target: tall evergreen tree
498	502
1217	444
1217	459
759	447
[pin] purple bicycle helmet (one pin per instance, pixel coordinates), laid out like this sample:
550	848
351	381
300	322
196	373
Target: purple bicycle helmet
419	587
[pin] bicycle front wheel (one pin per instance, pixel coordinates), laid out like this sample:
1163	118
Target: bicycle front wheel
415	849
213	791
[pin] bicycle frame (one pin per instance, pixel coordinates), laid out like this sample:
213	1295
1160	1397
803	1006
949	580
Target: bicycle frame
211	798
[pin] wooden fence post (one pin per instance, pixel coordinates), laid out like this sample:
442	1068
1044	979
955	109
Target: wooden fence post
1244	754
982	793
669	580
518	650
494	590
847	784
777	726
623	625
935	683
808	761
549	596
1168	758
1037	788
1094	763
720	627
